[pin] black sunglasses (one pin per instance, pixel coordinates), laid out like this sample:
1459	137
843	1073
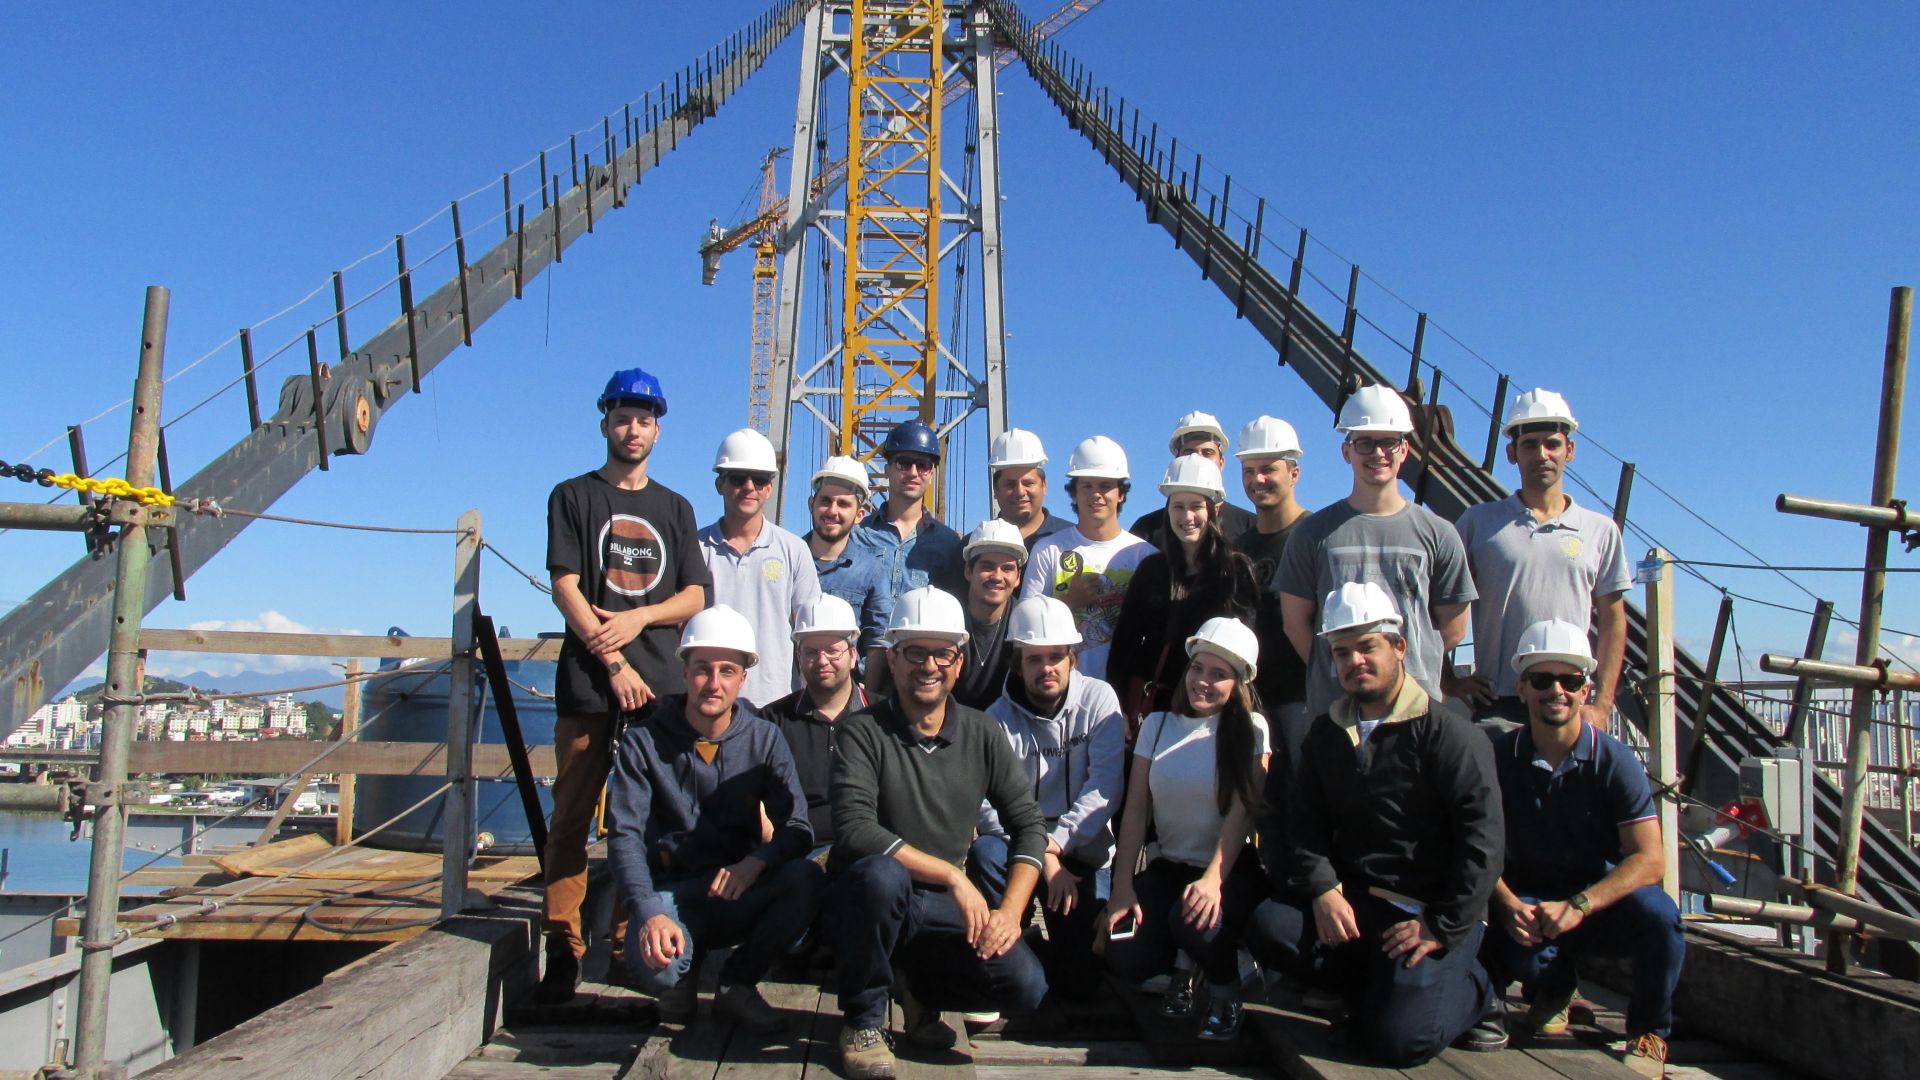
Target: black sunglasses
741	479
1543	681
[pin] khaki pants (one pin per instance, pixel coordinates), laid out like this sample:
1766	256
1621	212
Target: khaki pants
583	754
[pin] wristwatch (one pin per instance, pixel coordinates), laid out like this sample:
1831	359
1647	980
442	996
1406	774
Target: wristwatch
616	667
1580	903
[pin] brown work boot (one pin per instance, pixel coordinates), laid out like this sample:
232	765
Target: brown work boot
865	1055
1647	1056
562	979
922	1025
1550	1012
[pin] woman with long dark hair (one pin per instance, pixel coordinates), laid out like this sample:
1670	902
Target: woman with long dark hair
1197	773
1195	576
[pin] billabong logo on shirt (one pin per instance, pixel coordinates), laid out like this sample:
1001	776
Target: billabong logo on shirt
632	554
1571	547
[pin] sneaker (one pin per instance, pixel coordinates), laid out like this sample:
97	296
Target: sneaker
1489	1034
562	979
865	1055
1177	1003
1647	1056
1549	1014
1222	1022
745	1006
922	1025
980	1019
681	1003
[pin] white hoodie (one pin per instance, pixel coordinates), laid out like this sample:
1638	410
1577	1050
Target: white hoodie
1075	760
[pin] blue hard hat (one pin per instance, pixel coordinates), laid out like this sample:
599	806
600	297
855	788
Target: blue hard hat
634	385
911	437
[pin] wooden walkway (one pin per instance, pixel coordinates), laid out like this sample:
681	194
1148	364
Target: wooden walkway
324	893
611	1034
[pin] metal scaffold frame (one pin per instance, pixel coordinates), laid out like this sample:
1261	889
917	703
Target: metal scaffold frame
897	228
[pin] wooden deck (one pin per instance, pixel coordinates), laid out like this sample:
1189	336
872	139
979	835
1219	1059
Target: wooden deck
326	894
611	1034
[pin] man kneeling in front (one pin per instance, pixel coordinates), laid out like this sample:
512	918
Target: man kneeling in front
907	786
1583	864
685	795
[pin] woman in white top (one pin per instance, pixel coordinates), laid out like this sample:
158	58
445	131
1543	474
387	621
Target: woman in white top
1197	774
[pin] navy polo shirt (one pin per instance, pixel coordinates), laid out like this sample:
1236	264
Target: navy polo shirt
1563	824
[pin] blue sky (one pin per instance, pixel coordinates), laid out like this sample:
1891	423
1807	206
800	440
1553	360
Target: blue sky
1687	221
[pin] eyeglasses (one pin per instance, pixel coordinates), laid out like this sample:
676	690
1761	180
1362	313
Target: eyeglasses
813	653
918	655
1571	682
742	479
905	464
1364	445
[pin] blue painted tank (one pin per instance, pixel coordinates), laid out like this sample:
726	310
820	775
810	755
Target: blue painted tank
410	705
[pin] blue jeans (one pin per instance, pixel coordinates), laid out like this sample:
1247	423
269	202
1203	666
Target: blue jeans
1643	926
1071	966
878	920
1163	928
1404	1016
763	923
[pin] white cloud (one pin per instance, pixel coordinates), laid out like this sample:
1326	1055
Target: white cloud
169	664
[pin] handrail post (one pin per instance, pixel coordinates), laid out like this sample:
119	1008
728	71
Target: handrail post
1662	729
126	677
1873	588
457	834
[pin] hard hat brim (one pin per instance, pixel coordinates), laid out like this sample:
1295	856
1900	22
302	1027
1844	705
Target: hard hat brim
753	658
1389	625
1018	551
1247	669
1522	662
952	637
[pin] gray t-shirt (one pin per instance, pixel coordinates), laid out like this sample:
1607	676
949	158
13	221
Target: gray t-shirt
1413	554
1529	570
775	576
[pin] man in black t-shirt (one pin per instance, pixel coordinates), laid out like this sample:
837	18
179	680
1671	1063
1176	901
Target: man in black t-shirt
1269	458
626	573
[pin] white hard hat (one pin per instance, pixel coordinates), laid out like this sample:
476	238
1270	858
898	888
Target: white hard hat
1042	620
720	627
995	535
1375	408
1538	406
1193	473
1195	422
845	470
828	614
1231	640
1268	436
1098	456
1358	607
927	612
1551	639
1013	448
746	450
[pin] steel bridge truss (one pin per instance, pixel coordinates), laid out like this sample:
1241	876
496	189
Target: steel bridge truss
903	220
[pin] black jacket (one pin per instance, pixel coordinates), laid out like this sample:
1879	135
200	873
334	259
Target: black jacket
1415	809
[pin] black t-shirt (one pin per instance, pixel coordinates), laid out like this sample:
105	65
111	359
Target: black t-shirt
988	659
631	549
1283	675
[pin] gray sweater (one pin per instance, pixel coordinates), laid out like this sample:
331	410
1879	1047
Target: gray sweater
677	815
891	788
1074	761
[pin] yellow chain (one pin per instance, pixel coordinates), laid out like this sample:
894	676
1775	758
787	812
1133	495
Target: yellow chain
113	488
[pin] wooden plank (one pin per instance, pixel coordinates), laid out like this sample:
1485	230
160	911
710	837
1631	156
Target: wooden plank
612	1046
1509	1064
992	1052
1114	1073
1177	1041
1305	1046
293	850
278	757
778	1055
366	646
481	1069
925	1063
1582	1063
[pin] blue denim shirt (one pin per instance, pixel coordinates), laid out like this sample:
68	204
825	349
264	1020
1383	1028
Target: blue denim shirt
931	556
859	576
